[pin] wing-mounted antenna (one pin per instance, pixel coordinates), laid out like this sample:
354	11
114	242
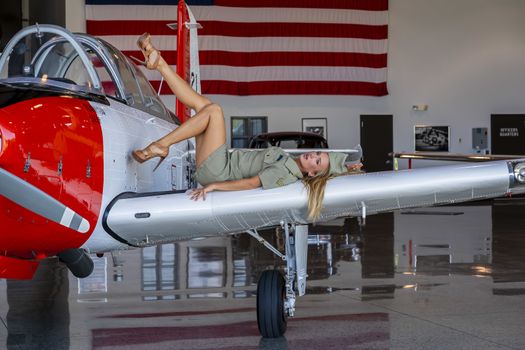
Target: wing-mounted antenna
187	53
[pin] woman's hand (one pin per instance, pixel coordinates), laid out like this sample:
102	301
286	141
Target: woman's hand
232	185
354	167
201	192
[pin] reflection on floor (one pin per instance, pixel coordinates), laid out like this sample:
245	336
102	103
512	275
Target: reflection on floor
440	278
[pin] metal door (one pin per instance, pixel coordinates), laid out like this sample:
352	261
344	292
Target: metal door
377	142
507	133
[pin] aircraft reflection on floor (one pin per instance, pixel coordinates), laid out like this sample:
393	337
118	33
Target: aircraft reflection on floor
401	255
428	247
236	263
508	265
38	316
409	242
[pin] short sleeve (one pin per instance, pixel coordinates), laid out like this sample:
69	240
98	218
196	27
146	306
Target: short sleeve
276	175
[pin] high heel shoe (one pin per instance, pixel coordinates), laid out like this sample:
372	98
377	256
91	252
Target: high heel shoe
153	150
149	51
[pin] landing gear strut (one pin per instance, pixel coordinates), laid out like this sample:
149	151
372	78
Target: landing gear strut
276	293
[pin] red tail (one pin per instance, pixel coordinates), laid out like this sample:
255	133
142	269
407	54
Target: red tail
183	55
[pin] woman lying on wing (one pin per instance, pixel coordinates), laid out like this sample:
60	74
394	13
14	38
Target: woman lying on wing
220	170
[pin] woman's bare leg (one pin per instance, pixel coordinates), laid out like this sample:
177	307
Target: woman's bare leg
207	126
181	88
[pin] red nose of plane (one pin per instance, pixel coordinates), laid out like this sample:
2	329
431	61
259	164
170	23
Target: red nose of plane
51	175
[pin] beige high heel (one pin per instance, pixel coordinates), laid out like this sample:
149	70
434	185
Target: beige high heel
149	51
153	150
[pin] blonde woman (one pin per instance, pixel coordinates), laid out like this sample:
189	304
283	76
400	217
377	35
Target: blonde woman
221	170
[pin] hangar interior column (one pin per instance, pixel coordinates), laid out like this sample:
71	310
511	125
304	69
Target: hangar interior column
45	12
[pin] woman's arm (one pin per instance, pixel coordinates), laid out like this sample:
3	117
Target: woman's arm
233	185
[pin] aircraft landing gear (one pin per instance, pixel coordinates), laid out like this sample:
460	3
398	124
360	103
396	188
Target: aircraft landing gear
276	293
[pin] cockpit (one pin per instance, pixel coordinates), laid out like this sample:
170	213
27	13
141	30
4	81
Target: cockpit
51	57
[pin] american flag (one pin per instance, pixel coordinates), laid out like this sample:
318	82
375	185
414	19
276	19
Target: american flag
262	47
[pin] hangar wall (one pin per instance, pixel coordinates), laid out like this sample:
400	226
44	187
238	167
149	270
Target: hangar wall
464	59
76	16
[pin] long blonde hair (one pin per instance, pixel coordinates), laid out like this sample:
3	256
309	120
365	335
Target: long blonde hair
315	186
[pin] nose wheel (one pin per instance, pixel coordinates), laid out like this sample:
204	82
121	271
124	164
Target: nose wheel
271	315
276	293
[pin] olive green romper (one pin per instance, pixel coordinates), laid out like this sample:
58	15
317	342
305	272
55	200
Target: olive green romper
274	167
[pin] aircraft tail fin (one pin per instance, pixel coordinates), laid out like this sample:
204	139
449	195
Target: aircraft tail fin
187	54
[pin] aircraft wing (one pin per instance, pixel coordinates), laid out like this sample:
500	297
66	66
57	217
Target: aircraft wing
145	219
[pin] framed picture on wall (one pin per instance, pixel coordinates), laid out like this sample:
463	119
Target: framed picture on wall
429	138
315	125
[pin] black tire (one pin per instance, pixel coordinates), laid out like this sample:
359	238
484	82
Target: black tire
271	317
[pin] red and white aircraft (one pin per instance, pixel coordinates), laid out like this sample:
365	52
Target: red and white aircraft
72	107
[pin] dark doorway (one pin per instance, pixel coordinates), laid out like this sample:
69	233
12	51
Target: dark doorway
10	20
507	133
377	142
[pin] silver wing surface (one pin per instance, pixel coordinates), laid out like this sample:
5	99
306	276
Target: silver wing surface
145	219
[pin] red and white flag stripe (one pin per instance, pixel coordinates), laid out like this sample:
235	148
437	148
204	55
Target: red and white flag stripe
265	46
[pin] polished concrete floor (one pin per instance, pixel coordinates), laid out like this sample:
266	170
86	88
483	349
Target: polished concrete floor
440	278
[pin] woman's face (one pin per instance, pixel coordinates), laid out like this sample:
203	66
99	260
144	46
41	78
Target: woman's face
314	162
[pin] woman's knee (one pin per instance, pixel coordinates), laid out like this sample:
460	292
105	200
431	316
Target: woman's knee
215	111
203	103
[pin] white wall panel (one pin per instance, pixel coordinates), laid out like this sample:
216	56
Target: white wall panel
462	58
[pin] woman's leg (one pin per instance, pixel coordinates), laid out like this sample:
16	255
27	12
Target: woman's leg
207	126
180	88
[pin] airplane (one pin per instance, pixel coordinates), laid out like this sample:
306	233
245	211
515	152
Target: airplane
73	107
